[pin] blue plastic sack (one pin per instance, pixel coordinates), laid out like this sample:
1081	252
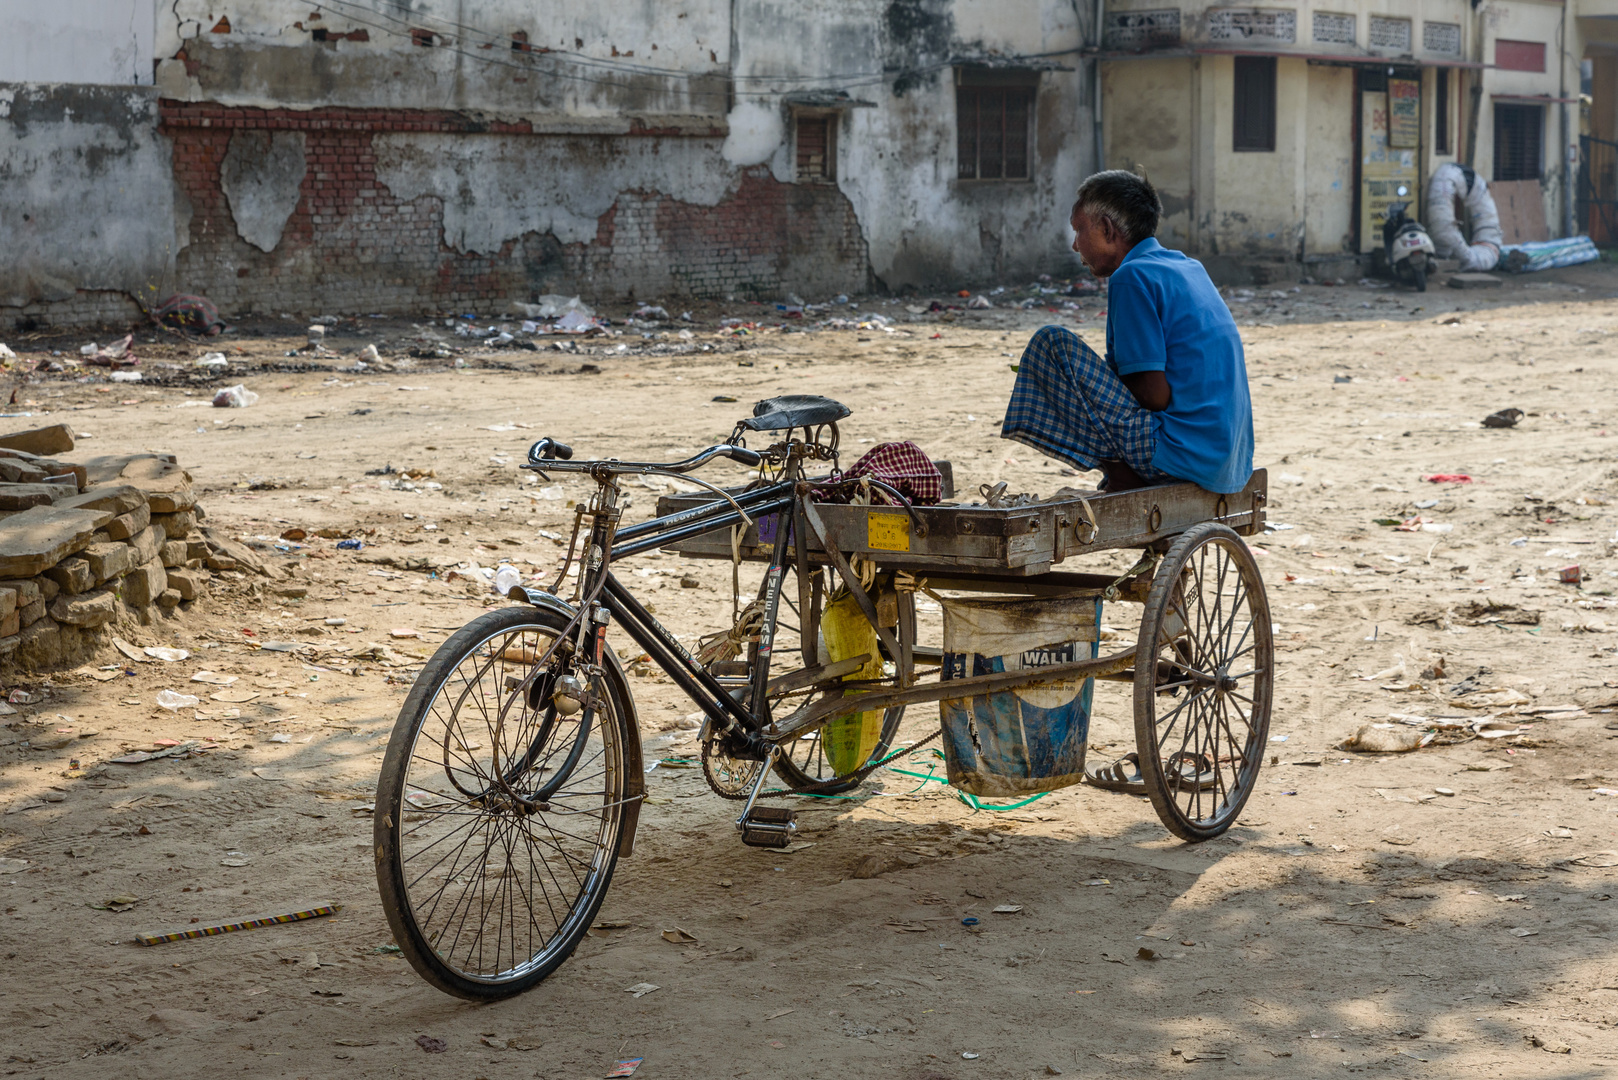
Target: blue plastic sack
1018	742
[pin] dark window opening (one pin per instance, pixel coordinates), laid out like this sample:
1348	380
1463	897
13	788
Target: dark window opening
423	38
1518	139
1253	130
817	148
519	41
1441	111
992	124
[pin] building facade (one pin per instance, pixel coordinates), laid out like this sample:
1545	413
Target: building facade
363	155
1279	133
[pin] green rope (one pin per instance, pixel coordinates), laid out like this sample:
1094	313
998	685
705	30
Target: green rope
969	800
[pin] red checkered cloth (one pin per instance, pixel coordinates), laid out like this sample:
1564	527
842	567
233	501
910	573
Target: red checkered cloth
185	312
905	468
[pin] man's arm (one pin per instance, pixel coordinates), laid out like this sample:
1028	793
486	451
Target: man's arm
1150	388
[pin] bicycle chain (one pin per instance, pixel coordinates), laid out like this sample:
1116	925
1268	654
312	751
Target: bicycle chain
857	777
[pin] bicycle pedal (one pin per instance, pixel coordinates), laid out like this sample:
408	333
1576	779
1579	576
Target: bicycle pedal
769	827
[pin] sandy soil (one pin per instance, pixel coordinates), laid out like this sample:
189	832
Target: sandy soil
1355	919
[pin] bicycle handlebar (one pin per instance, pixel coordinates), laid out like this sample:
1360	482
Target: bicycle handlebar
540	456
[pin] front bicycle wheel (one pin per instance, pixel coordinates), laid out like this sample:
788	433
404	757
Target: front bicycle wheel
498	823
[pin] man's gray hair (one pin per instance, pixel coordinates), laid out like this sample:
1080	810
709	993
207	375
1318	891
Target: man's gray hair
1128	201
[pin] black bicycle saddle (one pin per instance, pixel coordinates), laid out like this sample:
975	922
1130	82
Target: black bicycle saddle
794	411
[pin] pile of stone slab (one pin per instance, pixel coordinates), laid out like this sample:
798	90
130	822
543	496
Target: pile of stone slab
85	546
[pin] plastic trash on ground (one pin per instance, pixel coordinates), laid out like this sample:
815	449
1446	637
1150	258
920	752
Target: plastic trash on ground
170	700
234	397
505	579
211	360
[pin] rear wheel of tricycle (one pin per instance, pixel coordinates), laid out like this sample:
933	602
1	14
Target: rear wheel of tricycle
1204	676
498	822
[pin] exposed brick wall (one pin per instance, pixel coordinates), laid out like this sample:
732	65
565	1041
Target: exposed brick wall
352	246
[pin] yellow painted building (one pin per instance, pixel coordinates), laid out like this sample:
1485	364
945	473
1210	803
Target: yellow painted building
1278	133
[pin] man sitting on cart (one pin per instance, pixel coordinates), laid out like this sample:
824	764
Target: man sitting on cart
1169	402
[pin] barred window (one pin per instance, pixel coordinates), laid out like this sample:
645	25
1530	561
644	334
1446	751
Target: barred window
817	148
993	125
1518	140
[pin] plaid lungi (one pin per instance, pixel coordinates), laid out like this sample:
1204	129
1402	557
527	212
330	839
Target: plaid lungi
1069	404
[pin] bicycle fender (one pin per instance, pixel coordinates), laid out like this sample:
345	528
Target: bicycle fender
634	770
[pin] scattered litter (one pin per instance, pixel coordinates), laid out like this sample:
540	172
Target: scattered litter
641	989
166	654
234	858
1448	478
1007	909
234	397
969	1055
140	756
170	700
627	1066
244	924
1522	931
214	678
679	937
404	632
350	545
117	903
1599	859
1387	739
1503	419
431	1045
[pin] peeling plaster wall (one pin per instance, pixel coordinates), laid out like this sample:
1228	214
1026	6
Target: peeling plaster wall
495	188
78	41
89	199
607	62
262	176
410	155
896	161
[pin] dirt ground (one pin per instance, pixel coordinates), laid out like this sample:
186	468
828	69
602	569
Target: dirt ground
1356	919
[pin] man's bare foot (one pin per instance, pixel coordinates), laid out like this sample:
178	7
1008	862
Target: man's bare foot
1119	476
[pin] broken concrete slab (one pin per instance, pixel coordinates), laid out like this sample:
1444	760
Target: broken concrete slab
73	575
144	545
38	538
23	496
190	584
1473	281
144	584
129	468
116	498
124	526
90	609
245	557
45	441
109	560
15	471
175	526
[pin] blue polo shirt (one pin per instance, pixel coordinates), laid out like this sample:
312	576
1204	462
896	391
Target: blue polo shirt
1163	314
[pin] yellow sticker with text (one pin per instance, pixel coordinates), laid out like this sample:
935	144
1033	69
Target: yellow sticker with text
887	532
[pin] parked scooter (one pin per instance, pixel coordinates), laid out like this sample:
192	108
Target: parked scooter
1408	248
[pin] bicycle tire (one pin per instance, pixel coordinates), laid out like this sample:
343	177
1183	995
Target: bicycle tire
420	817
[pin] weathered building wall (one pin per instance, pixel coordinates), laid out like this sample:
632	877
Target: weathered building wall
1151	121
369	155
366	211
77	41
1328	220
88	220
